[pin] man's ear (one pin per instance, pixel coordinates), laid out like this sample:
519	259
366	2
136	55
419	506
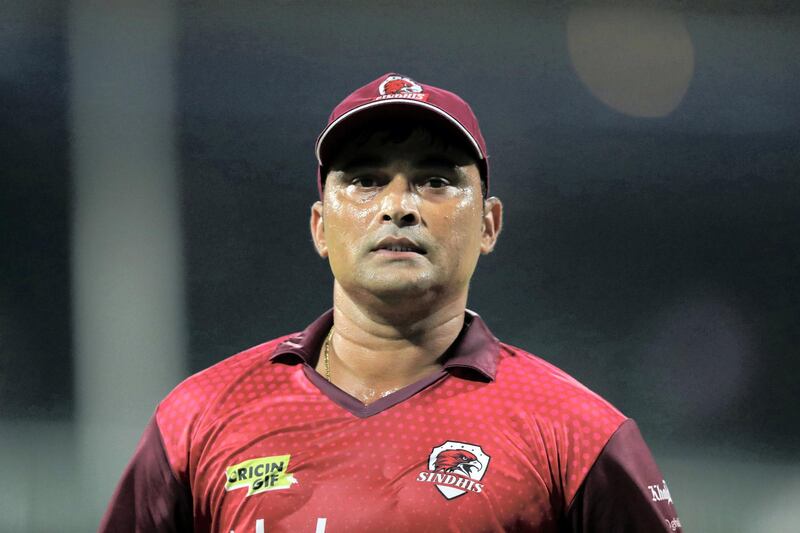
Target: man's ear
492	223
318	229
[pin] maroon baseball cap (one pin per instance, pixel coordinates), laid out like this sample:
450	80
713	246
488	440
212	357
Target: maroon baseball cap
394	95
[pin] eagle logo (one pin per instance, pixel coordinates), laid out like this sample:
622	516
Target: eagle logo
399	85
458	461
456	468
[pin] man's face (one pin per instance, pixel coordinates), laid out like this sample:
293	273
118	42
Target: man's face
404	219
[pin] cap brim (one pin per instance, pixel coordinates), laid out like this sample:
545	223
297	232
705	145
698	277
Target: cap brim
338	131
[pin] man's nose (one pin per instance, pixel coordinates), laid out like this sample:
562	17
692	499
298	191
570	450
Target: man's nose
400	204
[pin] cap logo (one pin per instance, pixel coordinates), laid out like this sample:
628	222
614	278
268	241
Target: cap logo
396	86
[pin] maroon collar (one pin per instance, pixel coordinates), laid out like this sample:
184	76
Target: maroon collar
474	349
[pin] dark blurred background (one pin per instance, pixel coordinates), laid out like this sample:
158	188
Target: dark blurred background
157	172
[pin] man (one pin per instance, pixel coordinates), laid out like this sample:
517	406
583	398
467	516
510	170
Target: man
397	410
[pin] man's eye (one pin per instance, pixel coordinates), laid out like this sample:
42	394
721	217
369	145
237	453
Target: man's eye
437	183
365	181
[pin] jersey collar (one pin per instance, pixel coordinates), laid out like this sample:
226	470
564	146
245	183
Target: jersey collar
475	349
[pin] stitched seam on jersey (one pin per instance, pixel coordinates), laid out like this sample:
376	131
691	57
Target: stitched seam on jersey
597	458
166	453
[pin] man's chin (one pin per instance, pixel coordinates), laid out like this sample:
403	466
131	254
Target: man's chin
398	290
393	288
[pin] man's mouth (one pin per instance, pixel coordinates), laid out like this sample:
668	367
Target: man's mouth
399	245
400	249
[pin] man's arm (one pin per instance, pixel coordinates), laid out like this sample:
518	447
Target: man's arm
624	491
149	497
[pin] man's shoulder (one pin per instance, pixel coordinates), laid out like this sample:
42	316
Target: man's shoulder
549	389
571	424
200	389
201	396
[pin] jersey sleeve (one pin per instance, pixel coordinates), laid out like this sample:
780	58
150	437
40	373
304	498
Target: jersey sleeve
149	497
624	491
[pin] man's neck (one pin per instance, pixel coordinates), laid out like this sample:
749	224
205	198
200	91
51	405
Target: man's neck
373	352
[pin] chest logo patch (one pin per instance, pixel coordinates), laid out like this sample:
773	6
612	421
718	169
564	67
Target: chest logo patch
456	468
260	475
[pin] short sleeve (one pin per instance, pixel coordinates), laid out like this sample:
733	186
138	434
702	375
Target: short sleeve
149	497
624	491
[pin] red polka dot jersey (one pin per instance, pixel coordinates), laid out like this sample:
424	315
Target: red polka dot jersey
499	440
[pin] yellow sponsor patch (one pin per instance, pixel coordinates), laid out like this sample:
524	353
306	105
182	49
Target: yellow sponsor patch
260	475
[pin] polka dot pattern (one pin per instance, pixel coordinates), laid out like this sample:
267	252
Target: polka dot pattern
540	431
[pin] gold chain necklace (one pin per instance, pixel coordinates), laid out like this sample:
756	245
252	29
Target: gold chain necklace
326	358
